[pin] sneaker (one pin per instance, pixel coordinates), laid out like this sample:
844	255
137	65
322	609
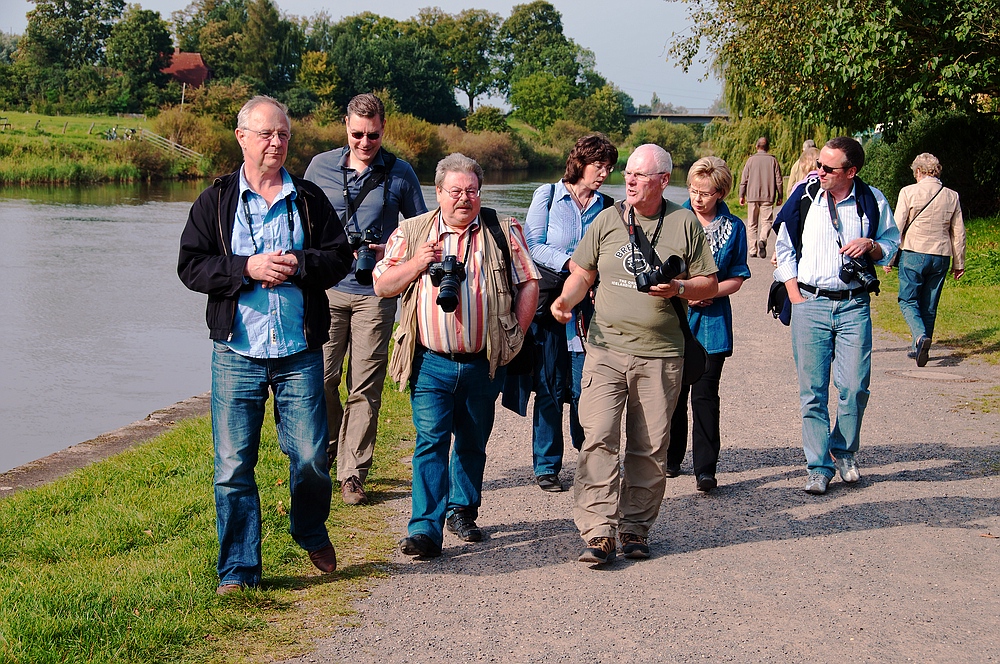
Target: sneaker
816	484
761	249
549	483
923	350
464	527
419	546
911	354
599	550
352	491
634	546
848	469
707	482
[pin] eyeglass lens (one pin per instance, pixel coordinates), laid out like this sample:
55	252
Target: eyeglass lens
372	135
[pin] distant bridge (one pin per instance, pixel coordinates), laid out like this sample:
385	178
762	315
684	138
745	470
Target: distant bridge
698	117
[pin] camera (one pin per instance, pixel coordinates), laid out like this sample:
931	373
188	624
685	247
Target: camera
447	275
855	270
673	266
366	255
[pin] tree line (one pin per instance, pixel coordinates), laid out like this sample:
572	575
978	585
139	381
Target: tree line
101	56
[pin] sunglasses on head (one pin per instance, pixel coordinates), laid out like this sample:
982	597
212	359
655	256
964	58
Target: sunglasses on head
372	135
830	169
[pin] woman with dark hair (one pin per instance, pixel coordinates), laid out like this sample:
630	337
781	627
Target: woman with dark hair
711	321
557	218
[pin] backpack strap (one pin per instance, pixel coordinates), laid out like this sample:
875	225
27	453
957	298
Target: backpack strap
492	223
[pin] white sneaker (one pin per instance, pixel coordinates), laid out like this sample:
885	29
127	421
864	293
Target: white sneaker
816	484
848	469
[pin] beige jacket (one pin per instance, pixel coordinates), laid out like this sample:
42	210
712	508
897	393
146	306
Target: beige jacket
939	229
503	334
761	179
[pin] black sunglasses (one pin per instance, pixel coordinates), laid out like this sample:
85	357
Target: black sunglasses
830	169
372	135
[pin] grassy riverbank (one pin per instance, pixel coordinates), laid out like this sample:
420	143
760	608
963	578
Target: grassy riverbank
116	562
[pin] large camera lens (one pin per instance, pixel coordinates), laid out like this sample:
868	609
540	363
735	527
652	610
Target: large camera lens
447	275
673	266
365	265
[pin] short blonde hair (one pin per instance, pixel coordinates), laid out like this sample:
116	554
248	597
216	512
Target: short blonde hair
715	171
927	164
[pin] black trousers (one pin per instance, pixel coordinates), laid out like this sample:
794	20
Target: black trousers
705	436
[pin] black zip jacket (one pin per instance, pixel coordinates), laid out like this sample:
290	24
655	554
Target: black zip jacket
206	263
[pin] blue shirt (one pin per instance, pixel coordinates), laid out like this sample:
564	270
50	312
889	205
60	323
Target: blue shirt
713	325
331	172
269	321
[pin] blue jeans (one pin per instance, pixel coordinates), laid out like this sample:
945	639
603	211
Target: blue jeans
450	401
547	431
921	279
832	334
239	392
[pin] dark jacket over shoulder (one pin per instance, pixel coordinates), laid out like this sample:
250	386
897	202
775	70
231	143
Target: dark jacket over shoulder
206	263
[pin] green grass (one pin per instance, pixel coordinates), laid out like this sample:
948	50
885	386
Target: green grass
116	562
89	127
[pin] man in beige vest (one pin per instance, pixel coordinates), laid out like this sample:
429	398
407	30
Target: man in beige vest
459	324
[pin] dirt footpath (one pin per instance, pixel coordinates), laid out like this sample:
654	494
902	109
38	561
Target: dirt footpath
902	567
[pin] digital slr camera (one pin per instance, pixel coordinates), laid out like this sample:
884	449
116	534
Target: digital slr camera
673	266
366	255
447	275
855	270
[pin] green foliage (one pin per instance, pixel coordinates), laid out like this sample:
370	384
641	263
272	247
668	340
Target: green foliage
309	139
957	140
680	140
69	33
204	134
8	46
300	101
541	98
495	151
532	41
734	141
220	100
602	111
563	135
140	46
319	75
487	118
415	140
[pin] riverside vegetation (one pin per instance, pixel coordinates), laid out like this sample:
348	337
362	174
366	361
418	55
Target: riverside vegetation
116	562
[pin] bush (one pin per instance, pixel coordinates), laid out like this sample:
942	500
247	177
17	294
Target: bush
964	145
309	139
496	151
680	140
487	118
202	134
415	140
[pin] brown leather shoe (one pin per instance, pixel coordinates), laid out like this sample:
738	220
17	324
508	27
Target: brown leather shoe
352	491
227	588
324	559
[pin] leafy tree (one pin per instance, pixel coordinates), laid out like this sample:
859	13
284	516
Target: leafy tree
8	46
602	111
140	47
487	118
319	75
467	45
69	33
531	40
541	98
849	64
680	140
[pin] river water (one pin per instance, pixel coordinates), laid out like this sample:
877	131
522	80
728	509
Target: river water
97	329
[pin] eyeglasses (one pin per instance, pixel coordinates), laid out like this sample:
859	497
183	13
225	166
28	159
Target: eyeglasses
694	193
607	169
268	134
372	135
456	194
641	177
830	169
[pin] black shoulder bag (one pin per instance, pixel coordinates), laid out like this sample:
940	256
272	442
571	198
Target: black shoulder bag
695	355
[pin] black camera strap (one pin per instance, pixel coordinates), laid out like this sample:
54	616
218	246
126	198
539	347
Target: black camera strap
373	181
249	219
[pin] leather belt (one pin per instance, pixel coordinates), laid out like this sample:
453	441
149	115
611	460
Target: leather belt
832	294
460	358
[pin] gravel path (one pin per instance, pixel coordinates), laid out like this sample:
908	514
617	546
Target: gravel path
902	567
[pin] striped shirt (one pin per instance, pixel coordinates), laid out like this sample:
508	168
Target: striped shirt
463	330
821	258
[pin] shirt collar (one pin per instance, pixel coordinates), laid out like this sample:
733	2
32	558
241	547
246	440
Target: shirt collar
345	157
287	188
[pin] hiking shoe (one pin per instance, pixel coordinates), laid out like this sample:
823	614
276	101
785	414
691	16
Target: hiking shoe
707	482
848	469
923	349
464	527
816	484
634	546
673	470
419	546
352	491
761	249
549	483
599	550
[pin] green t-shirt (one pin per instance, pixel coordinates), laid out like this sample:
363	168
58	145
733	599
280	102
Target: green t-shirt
626	320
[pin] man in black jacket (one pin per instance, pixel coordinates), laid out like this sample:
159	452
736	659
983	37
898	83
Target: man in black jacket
264	246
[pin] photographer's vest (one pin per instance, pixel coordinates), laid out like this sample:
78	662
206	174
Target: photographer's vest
501	325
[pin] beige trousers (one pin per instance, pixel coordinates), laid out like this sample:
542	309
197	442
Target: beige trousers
360	329
760	217
619	490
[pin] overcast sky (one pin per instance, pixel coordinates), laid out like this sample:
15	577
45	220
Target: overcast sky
629	40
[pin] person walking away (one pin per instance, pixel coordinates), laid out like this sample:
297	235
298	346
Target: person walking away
760	187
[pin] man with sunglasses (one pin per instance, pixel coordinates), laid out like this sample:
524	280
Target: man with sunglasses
369	187
264	246
830	232
760	183
469	290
